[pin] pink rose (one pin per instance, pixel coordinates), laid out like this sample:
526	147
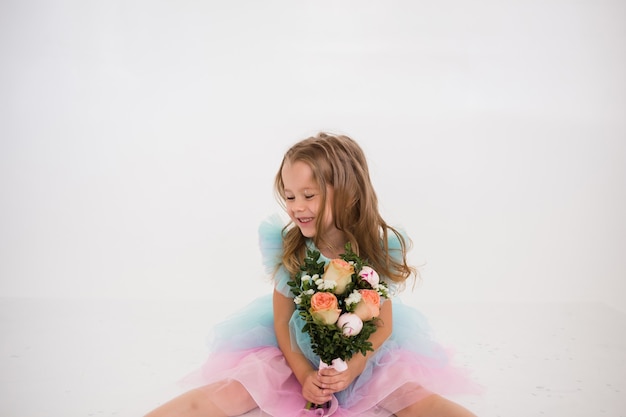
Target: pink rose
350	324
370	275
369	306
340	272
324	308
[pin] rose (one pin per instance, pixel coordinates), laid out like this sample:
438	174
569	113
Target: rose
369	306
370	275
324	308
350	324
340	272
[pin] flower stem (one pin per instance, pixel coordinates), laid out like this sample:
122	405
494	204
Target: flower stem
310	405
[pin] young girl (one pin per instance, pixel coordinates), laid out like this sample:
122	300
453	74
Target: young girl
262	361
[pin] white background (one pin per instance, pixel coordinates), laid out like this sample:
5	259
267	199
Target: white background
139	140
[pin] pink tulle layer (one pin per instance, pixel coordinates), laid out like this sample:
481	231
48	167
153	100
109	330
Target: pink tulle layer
400	379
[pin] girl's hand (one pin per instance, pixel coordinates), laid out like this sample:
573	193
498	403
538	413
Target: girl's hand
313	390
336	381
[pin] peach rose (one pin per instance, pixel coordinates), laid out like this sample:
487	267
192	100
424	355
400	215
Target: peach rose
369	306
324	308
340	272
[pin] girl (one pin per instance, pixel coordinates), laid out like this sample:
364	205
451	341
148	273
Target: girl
262	361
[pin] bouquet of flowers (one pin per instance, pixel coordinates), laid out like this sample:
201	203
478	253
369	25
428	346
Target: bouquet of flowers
339	303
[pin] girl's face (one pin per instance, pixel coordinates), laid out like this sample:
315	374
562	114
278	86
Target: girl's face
303	199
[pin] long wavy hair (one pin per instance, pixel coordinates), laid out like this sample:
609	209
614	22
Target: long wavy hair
339	162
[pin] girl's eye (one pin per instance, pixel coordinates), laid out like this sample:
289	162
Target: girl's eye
306	197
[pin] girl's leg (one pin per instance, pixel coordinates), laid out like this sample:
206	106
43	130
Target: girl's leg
222	399
435	406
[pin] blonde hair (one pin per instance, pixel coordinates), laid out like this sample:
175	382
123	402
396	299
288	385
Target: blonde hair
339	162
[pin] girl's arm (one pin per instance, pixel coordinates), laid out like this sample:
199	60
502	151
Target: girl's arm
299	364
338	381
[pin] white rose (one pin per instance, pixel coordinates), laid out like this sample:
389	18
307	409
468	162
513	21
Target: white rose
350	324
368	274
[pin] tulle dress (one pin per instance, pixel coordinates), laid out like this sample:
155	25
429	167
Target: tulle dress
406	368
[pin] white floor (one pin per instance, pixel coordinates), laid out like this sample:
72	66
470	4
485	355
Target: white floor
78	358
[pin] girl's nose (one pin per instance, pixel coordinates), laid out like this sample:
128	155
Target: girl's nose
298	205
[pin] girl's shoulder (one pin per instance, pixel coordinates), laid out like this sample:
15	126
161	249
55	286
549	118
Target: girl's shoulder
398	245
394	243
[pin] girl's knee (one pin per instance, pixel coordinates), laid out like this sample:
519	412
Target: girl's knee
426	406
435	406
231	397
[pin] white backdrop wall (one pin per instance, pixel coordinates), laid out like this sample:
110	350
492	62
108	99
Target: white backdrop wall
139	140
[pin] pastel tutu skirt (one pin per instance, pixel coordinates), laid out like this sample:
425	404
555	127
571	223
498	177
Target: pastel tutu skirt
408	367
